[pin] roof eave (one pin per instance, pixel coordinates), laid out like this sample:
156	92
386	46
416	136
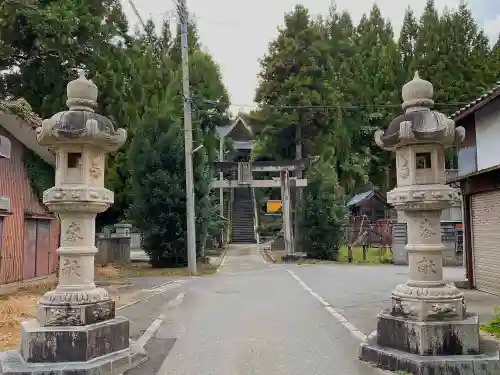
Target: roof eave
474	107
25	133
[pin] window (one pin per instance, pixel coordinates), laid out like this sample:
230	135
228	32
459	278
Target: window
423	160
466	160
74	159
452	214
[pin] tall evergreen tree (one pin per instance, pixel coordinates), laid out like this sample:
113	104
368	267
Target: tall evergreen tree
406	45
292	84
43	41
377	67
349	159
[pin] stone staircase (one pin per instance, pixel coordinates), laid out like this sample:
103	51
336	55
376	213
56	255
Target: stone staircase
242	220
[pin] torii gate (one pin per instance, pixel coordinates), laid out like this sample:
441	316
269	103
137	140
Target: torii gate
242	136
285	182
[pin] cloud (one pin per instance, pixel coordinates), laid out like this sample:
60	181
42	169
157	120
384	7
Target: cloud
492	28
238	32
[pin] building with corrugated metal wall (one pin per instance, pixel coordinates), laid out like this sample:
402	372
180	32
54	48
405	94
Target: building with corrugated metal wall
29	234
479	180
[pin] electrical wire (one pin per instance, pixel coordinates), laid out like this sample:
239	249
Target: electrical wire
351	105
180	11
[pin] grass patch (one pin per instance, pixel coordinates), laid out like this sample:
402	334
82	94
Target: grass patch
277	254
16	307
374	255
214	252
145	270
493	327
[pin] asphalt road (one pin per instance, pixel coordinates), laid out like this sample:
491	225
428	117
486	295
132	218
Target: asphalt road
254	318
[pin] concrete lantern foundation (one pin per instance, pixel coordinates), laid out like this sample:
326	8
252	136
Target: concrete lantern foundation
12	363
459	337
486	363
73	344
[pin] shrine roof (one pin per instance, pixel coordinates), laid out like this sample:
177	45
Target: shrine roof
366	195
239	123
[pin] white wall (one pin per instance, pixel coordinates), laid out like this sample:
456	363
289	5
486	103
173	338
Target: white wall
488	136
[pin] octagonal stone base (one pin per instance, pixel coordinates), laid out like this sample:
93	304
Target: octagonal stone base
94	349
429	338
431	347
12	363
74	343
487	363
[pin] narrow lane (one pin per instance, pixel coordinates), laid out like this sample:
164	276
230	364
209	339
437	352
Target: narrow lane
253	319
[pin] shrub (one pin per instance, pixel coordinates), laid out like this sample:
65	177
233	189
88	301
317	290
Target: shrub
321	214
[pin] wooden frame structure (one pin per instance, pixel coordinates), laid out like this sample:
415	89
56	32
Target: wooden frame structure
285	182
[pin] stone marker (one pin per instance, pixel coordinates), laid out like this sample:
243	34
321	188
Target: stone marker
427	330
76	331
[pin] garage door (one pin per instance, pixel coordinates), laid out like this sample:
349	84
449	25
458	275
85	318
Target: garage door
485	210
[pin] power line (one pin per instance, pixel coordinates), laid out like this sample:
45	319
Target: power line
350	105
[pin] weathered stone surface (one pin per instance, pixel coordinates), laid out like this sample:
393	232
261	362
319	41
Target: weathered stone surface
73	344
397	360
11	363
429	338
76	315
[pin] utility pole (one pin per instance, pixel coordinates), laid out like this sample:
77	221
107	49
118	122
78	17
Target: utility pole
221	191
188	138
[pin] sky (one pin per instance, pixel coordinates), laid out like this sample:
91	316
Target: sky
237	32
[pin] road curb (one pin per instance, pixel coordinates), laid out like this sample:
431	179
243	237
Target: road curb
267	255
222	260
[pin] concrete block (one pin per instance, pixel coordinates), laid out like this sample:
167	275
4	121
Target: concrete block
12	363
429	338
75	343
487	363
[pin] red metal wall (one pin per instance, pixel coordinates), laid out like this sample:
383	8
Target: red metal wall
23	203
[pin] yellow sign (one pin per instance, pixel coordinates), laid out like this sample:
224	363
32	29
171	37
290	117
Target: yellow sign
273	207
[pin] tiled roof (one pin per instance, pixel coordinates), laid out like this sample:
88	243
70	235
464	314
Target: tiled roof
360	197
478	101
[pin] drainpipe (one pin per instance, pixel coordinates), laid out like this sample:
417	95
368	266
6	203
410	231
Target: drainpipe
464	233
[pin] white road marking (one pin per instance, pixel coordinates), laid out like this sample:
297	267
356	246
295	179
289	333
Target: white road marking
156	291
153	328
354	331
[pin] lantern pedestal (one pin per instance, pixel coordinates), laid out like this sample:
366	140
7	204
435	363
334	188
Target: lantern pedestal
76	331
431	348
98	348
427	330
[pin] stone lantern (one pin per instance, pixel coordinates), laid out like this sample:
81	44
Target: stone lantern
428	316
76	330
